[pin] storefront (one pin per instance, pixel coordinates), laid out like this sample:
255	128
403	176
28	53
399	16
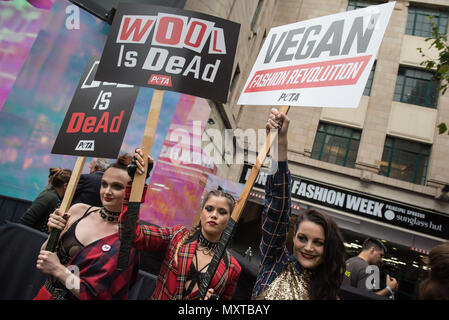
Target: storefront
409	232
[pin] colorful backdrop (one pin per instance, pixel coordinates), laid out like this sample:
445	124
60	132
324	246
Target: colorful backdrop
37	102
20	23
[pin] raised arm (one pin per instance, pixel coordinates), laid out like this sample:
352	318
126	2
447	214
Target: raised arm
150	238
276	213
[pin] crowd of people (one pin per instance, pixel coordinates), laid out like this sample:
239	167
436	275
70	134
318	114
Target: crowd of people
92	228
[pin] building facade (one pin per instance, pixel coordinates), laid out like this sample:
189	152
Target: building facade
379	170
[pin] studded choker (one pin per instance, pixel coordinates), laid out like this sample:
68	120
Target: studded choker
109	216
209	245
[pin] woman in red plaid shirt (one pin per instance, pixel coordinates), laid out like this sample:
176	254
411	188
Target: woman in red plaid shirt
89	247
188	252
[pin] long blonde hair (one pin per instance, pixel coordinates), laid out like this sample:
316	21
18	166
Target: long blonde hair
197	227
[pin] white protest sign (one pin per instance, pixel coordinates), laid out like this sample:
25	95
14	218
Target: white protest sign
322	62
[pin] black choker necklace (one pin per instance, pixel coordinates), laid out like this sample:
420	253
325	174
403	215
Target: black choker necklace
208	245
109	215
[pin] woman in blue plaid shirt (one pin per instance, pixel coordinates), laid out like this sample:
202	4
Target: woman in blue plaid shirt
316	267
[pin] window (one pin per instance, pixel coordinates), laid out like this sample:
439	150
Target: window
336	144
256	15
416	87
405	160
369	82
418	25
355	4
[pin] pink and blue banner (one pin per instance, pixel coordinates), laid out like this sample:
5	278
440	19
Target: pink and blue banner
20	23
39	96
37	103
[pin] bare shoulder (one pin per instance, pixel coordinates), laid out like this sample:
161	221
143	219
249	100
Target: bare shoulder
76	211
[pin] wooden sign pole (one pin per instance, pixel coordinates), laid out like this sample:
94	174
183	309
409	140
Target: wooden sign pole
237	212
66	201
139	181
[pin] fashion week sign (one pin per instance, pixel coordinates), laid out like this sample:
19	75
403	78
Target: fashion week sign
322	62
363	205
170	49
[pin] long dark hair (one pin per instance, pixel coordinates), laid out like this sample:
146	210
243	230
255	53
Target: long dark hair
327	277
436	286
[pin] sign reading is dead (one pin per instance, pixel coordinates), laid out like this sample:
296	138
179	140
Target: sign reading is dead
96	121
322	62
170	49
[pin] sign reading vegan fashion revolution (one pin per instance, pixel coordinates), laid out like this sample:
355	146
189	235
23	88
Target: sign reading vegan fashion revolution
362	205
97	118
322	62
170	49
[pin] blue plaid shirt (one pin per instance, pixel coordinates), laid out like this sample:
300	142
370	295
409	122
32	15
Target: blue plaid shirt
275	225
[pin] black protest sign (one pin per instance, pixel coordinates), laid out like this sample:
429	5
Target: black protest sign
170	49
97	118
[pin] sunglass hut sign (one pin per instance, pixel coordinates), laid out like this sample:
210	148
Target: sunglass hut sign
170	49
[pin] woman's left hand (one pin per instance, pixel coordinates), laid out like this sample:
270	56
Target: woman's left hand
140	163
48	262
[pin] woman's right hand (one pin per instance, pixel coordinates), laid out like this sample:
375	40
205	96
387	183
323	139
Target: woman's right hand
279	121
57	220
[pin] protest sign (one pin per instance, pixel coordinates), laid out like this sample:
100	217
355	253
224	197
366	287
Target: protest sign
97	118
170	49
322	62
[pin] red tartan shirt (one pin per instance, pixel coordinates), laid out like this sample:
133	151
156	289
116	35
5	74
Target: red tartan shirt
172	278
99	277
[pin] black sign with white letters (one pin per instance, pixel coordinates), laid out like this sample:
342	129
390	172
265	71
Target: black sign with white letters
362	205
97	118
170	49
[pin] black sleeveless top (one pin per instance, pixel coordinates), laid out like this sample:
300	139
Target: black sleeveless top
194	276
69	245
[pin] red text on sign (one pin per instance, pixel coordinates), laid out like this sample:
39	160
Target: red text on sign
172	30
80	123
339	72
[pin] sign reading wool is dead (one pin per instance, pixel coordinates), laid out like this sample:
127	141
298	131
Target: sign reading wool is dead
96	121
170	49
322	62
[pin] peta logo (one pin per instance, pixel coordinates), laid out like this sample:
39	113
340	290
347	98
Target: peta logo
161	80
289	97
85	145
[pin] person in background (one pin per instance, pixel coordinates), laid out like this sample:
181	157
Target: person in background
315	269
36	216
436	285
89	246
88	188
357	271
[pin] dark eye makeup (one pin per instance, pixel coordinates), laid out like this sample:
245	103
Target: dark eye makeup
303	238
210	208
114	185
